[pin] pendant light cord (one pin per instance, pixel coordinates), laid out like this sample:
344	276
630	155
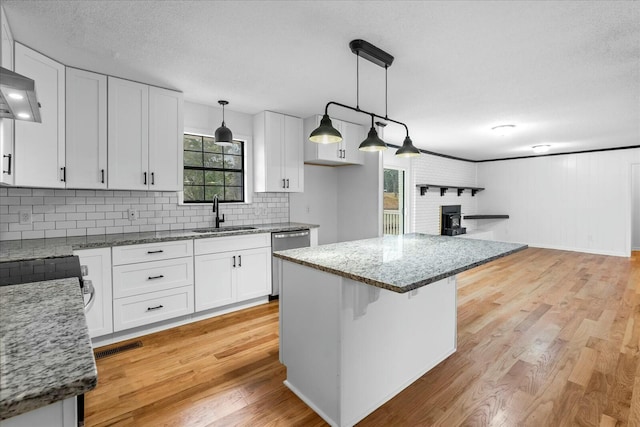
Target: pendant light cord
386	91
358	81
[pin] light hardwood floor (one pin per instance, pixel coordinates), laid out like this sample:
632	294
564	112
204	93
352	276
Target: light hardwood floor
545	338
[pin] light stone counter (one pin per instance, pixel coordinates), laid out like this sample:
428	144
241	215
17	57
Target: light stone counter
400	263
45	349
18	250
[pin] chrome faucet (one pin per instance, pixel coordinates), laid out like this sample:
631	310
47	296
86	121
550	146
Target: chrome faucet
216	210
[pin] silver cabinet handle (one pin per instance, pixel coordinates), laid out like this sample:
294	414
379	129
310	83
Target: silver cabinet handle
88	288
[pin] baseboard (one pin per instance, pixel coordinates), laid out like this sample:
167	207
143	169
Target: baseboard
310	404
583	250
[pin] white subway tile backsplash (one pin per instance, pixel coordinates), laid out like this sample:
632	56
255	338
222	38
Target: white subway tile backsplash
61	213
65	208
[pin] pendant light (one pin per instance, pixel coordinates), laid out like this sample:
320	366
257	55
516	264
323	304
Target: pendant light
327	134
223	135
373	142
407	149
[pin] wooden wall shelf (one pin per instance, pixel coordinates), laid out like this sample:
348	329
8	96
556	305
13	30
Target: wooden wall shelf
443	189
485	217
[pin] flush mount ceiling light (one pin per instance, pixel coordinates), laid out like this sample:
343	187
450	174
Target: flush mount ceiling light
223	136
327	134
504	130
542	148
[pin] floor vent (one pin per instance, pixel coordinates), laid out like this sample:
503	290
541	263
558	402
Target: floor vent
115	350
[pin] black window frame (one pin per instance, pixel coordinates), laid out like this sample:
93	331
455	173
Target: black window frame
222	169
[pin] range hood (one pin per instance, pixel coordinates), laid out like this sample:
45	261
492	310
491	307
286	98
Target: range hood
18	97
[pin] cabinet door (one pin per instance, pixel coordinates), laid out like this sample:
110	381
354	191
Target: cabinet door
86	149
213	280
165	139
253	273
99	314
293	155
39	147
352	135
274	135
6	125
128	137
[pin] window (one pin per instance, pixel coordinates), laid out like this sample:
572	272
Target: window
210	169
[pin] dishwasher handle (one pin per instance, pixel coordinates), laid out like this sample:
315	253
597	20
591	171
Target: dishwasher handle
288	235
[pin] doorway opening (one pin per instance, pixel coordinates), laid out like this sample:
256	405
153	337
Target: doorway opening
393	221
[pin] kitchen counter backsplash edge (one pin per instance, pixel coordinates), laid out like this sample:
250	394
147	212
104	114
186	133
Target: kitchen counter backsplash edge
18	250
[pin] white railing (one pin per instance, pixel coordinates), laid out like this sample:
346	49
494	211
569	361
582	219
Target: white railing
392	222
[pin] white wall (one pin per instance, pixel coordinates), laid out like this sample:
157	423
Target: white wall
579	202
635	209
205	119
319	202
346	201
360	199
429	169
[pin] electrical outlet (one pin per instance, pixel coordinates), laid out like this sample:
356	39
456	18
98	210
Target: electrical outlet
133	214
25	217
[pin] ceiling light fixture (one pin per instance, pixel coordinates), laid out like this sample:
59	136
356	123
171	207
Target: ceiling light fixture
223	136
539	149
326	133
504	130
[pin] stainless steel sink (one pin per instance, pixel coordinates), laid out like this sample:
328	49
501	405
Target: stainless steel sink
222	229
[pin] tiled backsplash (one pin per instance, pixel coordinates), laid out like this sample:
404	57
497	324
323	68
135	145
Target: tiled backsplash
61	213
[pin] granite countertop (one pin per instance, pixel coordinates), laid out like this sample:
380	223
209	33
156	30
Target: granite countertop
17	250
400	263
45	349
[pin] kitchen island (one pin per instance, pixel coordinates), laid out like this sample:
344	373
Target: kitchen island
360	321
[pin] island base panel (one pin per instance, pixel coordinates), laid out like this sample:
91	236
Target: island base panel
350	347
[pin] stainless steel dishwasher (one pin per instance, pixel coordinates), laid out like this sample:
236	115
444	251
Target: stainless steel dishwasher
282	241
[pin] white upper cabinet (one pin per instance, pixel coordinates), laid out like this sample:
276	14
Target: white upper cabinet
145	137
128	139
40	147
342	153
86	147
6	125
165	139
278	153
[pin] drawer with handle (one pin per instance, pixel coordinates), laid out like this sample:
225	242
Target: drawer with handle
139	310
151	251
145	277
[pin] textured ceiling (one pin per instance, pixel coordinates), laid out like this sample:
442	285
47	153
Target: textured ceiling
565	73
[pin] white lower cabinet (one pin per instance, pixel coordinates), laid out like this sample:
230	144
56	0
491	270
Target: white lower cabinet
63	413
99	313
150	291
143	309
230	270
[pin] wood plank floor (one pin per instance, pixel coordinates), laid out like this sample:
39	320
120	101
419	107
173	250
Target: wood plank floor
545	338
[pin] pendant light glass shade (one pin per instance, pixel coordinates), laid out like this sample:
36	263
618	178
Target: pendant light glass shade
325	133
372	143
407	149
223	135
